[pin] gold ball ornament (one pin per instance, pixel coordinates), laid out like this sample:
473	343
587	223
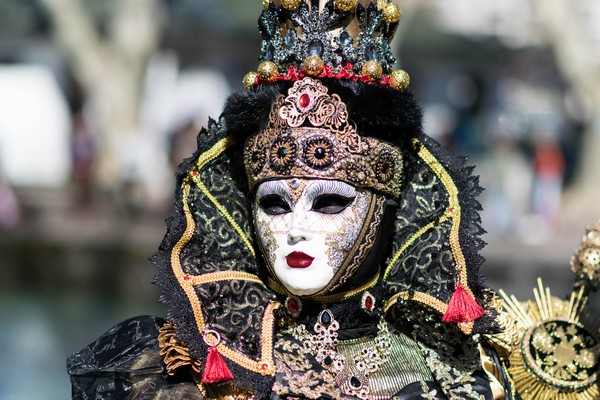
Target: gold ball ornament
249	80
265	4
399	79
345	5
291	5
381	3
312	65
267	71
391	13
372	69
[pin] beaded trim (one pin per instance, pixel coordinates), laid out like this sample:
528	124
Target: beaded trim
309	135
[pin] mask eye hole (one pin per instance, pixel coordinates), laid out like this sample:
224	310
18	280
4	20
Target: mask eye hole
274	205
331	203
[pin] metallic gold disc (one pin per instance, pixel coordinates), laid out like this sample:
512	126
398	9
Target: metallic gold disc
312	65
290	4
249	79
345	5
265	4
372	69
267	71
400	79
391	13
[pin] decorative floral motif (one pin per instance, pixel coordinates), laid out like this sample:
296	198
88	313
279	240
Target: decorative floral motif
318	152
283	154
385	167
258	158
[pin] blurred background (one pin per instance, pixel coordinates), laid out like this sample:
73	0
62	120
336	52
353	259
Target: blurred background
100	100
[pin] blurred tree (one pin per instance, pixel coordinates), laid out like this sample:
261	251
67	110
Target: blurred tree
108	56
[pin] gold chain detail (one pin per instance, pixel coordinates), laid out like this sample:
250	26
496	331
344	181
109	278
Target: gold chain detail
223	276
194	175
419	297
176	263
329	298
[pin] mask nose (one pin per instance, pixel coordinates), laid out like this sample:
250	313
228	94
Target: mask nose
297	233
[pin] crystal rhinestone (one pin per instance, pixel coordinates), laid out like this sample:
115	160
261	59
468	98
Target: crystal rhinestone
291	38
325	317
304	100
371	52
320	153
269	52
315	48
345	38
355	383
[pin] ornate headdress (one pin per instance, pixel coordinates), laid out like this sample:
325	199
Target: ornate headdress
309	135
342	39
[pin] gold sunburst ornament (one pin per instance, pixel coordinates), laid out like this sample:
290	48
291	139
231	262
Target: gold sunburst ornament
559	354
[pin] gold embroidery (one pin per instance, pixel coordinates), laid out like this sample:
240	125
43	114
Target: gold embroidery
194	175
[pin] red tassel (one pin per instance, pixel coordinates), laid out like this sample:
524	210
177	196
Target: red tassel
462	307
215	370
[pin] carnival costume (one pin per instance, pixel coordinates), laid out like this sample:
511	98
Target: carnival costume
326	134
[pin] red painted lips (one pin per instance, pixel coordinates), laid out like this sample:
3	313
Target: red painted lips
298	259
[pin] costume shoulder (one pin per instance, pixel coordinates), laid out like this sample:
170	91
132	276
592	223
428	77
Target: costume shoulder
125	363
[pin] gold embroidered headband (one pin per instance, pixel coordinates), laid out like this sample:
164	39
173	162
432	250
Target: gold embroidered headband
309	135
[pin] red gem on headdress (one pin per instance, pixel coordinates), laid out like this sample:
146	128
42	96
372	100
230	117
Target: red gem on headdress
304	100
186	278
369	303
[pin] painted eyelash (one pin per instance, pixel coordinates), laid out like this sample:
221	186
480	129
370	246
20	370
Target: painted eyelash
330	187
273	188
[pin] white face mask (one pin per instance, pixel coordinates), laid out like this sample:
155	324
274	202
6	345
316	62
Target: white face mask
306	228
